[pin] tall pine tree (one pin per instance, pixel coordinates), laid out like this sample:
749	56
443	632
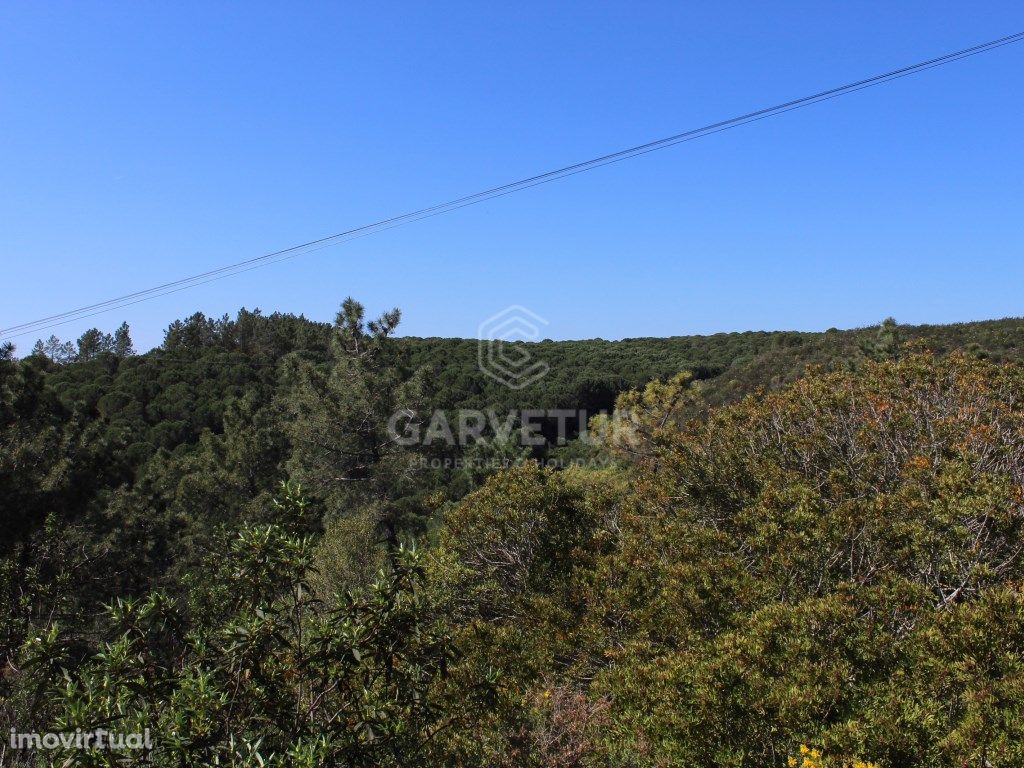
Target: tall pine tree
344	452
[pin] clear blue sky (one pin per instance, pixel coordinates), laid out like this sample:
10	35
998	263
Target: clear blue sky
141	142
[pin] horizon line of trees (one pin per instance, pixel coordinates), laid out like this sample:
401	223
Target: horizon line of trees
90	345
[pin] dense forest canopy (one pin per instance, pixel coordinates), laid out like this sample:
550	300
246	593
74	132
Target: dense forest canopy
799	548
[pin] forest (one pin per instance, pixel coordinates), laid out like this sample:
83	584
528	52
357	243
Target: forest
751	549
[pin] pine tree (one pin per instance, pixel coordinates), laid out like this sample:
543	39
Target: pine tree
59	352
344	452
93	343
122	344
886	344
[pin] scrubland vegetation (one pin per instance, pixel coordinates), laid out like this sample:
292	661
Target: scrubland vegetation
797	550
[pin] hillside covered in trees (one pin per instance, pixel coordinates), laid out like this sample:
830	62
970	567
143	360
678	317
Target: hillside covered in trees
796	549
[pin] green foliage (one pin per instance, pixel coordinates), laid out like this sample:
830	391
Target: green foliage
514	573
266	673
835	564
797	539
886	344
339	421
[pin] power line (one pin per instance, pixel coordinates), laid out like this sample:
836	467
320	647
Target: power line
109	305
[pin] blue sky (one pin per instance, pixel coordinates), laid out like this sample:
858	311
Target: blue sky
142	142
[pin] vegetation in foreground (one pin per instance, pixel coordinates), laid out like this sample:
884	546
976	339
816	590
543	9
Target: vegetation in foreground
824	572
